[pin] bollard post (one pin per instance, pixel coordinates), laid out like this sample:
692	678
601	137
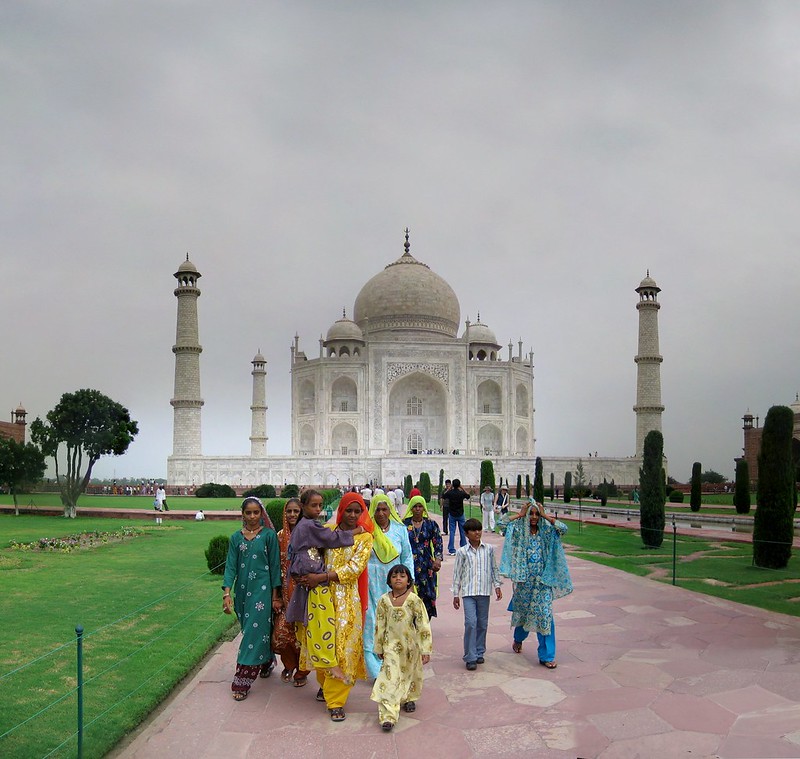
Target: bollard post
674	549
79	633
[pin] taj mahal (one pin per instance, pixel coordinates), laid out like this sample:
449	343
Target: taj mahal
396	390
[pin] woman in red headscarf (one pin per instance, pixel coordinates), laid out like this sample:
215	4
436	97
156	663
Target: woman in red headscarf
347	576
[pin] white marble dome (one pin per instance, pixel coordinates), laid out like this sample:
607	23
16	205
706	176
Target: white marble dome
408	297
481	333
345	329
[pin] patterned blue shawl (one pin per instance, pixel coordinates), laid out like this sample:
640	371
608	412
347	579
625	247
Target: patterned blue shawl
555	572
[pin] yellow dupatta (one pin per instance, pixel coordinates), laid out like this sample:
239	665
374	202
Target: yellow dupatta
385	550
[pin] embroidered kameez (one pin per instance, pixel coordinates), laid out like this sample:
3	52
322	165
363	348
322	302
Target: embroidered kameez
403	636
252	570
426	547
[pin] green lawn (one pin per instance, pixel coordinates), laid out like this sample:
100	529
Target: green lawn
150	611
176	502
715	568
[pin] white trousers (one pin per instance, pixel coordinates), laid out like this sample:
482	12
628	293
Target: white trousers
488	520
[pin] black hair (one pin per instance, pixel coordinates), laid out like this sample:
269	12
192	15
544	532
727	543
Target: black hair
456	483
472	524
399	569
306	496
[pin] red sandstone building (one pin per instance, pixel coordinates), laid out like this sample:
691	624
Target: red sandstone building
752	439
15	429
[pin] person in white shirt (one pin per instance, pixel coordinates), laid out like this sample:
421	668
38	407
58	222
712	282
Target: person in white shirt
199	516
366	494
474	575
487	508
161	499
399	498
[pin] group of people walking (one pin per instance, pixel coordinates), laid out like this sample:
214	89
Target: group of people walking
353	600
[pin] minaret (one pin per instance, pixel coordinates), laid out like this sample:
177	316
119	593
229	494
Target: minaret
648	360
258	428
186	437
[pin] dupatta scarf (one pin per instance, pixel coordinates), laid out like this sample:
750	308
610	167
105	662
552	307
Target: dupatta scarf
385	550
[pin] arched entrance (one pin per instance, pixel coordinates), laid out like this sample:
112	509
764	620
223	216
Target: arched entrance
417	414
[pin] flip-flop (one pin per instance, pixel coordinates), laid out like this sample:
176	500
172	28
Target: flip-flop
320	695
286	675
299	682
516	647
548	664
239	695
337	714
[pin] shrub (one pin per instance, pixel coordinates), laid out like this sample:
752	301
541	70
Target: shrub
425	486
213	490
652	485
274	508
773	530
261	491
676	496
487	475
290	491
696	497
548	493
330	495
216	553
741	495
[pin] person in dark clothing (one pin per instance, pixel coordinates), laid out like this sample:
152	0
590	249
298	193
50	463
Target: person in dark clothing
445	510
455	503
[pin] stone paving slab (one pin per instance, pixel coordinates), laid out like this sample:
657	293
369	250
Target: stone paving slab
645	670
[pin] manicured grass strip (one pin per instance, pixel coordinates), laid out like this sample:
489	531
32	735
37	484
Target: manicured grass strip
150	612
30	502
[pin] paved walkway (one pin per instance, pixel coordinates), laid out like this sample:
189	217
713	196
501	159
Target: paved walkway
645	670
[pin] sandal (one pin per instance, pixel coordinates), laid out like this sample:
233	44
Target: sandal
239	695
266	669
299	682
409	707
286	675
517	647
548	664
387	727
337	714
320	695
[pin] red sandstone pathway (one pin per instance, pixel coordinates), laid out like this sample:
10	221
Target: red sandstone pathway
645	670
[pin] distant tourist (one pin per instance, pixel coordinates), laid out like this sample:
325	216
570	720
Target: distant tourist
161	499
199	516
487	508
502	500
444	504
455	510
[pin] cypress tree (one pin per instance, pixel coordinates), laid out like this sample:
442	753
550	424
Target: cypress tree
487	475
567	487
538	481
425	486
527	486
741	492
696	497
552	485
441	484
773	531
519	486
652	491
408	484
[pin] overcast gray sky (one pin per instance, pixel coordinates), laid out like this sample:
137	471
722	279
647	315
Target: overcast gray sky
544	155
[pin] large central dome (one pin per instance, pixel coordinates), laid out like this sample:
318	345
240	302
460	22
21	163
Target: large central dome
407	297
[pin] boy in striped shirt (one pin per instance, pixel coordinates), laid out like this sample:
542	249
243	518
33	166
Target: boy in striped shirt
474	576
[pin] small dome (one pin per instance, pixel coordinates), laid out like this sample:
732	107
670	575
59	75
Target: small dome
345	329
20	409
480	333
187	266
259	359
648	283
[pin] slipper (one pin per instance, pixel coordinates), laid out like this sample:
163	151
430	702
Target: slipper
409	707
239	695
337	714
266	669
286	675
320	695
516	647
387	727
299	682
548	664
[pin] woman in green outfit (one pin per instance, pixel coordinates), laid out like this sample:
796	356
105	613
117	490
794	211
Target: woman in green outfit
253	571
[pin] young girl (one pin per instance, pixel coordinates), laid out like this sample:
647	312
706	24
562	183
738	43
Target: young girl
253	571
311	608
403	641
284	640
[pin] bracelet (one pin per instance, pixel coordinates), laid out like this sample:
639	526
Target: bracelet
226	595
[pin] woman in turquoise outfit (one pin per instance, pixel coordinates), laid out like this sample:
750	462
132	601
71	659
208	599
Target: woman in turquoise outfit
253	572
534	560
390	546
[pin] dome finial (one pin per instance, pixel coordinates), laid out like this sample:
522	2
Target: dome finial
344	313
407	245
187	256
648	272
479	317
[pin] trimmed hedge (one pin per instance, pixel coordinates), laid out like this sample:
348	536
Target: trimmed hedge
676	496
216	553
261	491
213	490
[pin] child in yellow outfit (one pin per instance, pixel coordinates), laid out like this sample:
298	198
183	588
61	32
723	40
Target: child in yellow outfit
403	642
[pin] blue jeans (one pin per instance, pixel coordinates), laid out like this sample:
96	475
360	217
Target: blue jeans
462	536
547	643
476	621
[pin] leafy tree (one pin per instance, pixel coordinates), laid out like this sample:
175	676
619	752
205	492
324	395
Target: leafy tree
567	487
602	491
290	490
712	478
90	425
773	531
652	491
21	464
741	495
425	486
487	475
580	481
696	497
538	480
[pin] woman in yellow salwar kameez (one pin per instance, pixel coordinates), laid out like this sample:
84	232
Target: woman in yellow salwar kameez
347	577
